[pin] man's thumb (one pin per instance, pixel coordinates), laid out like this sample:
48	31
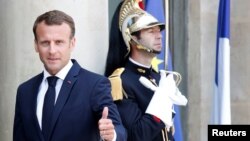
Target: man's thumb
105	112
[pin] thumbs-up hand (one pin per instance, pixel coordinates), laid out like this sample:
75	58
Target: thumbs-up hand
105	113
106	127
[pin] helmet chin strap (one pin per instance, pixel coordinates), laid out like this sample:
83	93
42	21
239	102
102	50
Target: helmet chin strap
140	46
148	49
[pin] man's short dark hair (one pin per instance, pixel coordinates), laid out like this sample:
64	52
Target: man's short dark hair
55	17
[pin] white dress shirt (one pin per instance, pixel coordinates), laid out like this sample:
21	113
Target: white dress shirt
44	86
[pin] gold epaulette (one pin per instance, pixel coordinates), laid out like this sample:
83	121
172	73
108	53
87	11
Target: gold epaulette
116	84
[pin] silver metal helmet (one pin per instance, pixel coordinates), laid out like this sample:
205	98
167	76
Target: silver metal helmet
132	19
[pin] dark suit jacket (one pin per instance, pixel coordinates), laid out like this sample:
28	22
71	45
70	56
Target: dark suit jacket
140	126
78	108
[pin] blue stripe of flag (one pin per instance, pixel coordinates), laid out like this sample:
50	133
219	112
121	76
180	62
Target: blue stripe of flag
223	29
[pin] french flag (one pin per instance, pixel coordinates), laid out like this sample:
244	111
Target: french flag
222	107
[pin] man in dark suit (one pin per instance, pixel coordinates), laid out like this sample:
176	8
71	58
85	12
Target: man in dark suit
82	106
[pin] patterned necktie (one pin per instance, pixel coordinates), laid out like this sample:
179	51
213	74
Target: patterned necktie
48	106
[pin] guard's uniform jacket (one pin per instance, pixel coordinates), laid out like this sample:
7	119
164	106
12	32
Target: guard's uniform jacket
132	99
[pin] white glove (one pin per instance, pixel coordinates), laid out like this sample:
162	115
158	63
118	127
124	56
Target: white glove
166	94
177	98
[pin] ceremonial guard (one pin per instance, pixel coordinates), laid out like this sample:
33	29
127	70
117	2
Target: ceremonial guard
144	96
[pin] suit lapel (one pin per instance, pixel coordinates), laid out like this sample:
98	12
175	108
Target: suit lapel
34	93
64	93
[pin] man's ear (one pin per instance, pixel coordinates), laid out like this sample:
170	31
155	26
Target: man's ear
72	43
134	37
135	40
36	45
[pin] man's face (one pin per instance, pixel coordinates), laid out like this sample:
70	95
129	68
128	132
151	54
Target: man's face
54	46
151	38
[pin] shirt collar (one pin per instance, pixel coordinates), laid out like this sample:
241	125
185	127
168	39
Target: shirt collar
138	69
139	64
61	74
